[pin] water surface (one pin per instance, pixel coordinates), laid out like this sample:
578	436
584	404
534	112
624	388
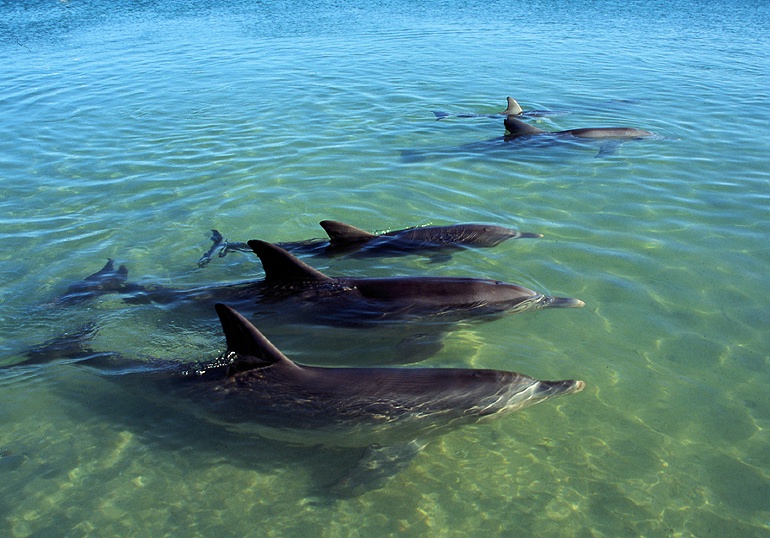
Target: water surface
133	128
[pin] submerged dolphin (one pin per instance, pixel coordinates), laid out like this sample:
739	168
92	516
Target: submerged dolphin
347	239
516	128
105	280
255	389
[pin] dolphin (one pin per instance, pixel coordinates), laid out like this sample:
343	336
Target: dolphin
313	297
517	128
419	239
105	280
405	317
345	239
610	137
254	389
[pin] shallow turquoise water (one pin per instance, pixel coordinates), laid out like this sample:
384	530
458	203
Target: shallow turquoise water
131	129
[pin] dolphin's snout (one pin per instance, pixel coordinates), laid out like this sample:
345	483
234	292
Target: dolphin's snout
564	302
557	388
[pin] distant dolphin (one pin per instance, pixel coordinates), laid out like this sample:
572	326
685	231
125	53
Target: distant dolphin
512	109
347	239
516	128
254	389
106	280
358	300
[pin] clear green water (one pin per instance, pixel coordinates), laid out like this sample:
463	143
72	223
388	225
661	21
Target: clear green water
130	129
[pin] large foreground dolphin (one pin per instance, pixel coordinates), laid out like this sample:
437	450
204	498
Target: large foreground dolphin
311	296
349	240
254	389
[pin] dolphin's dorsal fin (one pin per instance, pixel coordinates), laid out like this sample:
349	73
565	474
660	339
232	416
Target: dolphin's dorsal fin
516	127
280	266
341	233
513	107
253	350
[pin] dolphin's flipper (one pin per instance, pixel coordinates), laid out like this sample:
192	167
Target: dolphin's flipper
418	347
377	465
439	258
282	267
343	234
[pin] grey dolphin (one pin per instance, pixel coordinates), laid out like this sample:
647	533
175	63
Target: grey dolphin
355	406
345	239
516	128
254	389
362	299
421	238
405	317
313	297
105	280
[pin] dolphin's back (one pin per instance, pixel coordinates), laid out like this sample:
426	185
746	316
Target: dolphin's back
455	234
342	234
